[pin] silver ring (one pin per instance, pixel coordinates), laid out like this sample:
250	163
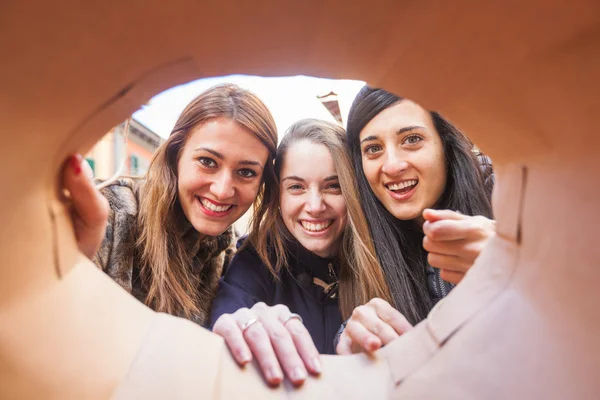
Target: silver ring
293	316
248	324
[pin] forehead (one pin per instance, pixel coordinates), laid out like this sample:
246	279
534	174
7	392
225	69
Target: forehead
306	159
227	137
401	115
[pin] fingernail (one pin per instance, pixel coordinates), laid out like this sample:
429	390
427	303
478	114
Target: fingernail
75	161
316	365
245	357
274	375
298	374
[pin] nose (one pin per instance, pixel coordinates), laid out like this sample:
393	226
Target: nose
393	163
223	186
315	203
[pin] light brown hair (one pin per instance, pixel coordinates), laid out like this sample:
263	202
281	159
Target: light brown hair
165	268
361	277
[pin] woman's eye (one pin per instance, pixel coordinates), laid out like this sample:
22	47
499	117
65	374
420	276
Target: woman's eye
335	187
247	173
295	187
372	149
207	162
412	139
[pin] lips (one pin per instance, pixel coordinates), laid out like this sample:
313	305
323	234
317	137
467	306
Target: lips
402	187
316	226
213	208
402	191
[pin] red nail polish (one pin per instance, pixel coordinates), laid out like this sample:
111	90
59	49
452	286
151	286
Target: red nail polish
76	163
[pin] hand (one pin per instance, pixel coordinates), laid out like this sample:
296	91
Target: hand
89	211
454	241
273	339
371	326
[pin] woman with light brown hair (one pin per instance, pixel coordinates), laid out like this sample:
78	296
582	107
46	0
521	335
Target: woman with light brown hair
169	232
313	255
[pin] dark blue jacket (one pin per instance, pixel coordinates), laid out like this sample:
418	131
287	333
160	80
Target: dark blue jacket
247	281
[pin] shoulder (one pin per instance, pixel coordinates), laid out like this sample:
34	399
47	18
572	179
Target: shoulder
123	194
247	261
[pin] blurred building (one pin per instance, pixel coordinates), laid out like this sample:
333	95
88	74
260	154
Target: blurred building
108	154
331	103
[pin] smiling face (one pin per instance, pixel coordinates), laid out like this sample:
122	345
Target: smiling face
219	174
312	206
403	160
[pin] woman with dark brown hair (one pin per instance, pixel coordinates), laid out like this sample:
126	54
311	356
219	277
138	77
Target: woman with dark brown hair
426	196
169	232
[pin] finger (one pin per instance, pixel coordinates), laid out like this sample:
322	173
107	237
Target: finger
367	316
285	349
431	215
344	345
301	337
445	262
228	329
259	342
89	207
360	335
88	203
467	250
304	345
452	276
390	316
445	230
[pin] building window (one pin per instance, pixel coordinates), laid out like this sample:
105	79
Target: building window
92	164
134	165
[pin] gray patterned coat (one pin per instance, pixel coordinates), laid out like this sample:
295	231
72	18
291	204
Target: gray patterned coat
120	258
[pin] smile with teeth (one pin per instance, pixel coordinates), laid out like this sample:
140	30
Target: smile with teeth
213	207
318	227
402	186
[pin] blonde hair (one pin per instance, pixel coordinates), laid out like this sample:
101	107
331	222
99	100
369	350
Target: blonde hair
165	267
361	276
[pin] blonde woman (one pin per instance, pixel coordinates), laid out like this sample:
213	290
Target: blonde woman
169	232
312	256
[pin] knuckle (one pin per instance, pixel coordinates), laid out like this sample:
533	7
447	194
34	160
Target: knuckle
254	334
377	302
434	231
296	328
278	334
281	309
259	306
426	243
357	313
432	259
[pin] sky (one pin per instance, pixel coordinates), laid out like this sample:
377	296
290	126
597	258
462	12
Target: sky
288	98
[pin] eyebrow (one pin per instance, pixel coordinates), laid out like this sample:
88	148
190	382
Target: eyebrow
293	178
222	157
297	178
400	131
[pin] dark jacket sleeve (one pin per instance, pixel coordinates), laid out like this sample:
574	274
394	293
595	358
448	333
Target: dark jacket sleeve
246	282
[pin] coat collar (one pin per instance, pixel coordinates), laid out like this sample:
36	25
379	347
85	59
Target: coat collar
302	260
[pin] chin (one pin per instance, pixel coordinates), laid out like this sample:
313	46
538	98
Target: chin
407	216
210	229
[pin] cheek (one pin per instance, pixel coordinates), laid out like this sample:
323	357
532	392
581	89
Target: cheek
370	171
341	208
289	210
248	193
